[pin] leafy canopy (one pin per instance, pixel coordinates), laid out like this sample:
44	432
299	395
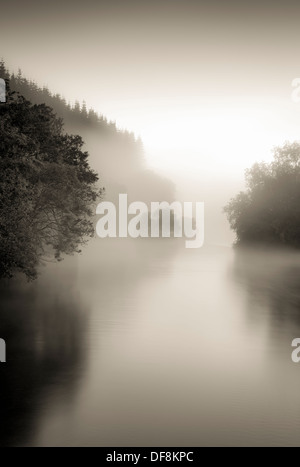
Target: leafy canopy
47	189
269	210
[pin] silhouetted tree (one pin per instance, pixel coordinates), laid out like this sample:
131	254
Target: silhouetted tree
47	188
269	210
116	153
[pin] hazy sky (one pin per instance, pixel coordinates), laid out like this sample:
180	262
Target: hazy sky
206	84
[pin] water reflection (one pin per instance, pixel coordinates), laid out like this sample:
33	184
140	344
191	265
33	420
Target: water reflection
148	343
271	279
54	330
44	329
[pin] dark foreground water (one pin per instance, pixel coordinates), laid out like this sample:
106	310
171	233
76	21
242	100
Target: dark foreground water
150	344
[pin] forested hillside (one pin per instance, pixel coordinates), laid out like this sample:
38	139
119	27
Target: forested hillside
117	156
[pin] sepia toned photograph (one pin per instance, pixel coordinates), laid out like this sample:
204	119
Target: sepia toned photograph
150	226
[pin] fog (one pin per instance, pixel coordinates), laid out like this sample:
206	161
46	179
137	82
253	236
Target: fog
148	343
207	96
189	77
143	342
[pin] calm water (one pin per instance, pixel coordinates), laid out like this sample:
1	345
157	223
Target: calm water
147	343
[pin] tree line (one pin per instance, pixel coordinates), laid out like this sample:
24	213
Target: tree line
269	210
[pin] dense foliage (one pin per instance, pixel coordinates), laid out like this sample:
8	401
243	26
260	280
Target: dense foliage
47	188
269	211
116	154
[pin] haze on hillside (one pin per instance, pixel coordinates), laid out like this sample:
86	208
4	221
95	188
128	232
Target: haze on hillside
141	341
205	84
207	95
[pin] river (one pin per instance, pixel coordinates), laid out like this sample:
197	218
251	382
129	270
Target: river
146	343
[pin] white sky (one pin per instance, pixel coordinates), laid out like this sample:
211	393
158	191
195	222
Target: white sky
207	85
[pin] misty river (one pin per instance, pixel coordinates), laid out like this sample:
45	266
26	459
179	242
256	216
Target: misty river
146	343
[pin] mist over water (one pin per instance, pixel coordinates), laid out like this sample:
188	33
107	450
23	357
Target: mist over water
147	343
144	342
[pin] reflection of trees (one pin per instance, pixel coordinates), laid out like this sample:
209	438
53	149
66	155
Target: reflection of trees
45	328
44	335
271	278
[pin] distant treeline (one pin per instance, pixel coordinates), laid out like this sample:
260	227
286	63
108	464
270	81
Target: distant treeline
269	211
72	114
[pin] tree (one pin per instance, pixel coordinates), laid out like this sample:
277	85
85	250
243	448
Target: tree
47	189
269	210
